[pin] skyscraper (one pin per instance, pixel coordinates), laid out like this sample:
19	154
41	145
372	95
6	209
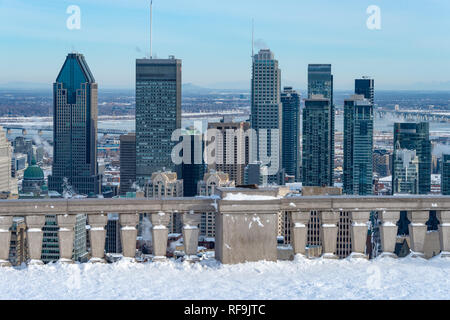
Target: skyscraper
232	149
406	167
158	114
75	128
416	137
317	169
358	146
365	87
6	181
127	162
266	110
320	82
193	170
445	177
290	100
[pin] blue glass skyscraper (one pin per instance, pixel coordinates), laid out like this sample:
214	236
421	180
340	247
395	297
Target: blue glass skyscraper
414	137
358	146
290	100
75	128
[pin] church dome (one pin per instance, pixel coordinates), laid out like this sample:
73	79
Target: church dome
33	172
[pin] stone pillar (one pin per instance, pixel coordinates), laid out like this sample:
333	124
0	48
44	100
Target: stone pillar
444	233
66	236
299	231
417	232
35	236
128	234
388	232
359	233
328	233
190	235
160	222
5	240
97	235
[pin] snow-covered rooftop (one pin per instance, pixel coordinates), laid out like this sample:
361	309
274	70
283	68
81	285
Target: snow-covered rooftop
405	278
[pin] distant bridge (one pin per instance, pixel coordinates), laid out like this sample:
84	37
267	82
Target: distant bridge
41	129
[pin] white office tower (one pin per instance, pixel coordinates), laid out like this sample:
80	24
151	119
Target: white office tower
7	183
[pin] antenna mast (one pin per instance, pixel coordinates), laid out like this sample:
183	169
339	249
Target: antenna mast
253	38
151	20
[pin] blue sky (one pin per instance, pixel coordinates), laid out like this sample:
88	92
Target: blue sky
411	51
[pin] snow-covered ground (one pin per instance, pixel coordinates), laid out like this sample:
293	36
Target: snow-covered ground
406	278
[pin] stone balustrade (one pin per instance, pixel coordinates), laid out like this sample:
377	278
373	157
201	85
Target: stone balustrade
246	228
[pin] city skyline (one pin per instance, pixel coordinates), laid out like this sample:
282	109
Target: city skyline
347	44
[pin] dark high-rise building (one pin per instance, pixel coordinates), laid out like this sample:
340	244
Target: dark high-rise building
365	87
193	170
266	110
290	100
382	162
158	114
358	146
445	177
320	82
127	163
414	137
317	164
75	128
112	240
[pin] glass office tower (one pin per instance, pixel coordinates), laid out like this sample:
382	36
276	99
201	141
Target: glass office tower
290	100
416	137
75	128
317	140
358	146
365	86
445	177
158	114
320	82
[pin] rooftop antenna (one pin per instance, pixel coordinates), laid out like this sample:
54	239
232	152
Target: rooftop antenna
253	37
151	18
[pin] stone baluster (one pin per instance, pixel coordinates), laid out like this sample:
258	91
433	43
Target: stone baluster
359	233
388	232
128	234
328	232
66	236
299	231
97	235
35	236
417	232
160	233
191	232
5	240
444	233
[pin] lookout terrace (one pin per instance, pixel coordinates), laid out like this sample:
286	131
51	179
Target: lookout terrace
247	224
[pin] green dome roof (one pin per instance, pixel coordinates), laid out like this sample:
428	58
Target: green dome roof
33	172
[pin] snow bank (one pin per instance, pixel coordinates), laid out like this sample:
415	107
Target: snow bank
406	278
247	197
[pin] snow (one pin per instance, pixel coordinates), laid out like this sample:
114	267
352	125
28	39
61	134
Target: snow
246	197
127	228
405	278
